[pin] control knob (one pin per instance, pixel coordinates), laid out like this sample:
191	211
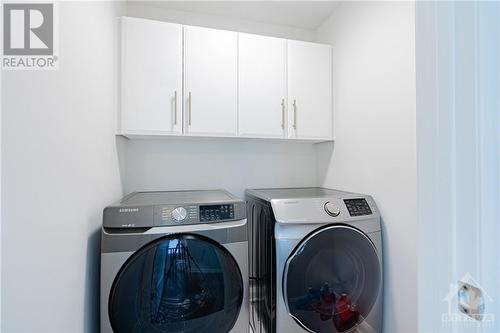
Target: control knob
332	209
179	214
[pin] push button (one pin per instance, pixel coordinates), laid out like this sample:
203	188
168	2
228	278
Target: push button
332	209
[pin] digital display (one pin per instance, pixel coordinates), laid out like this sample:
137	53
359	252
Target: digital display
357	207
216	212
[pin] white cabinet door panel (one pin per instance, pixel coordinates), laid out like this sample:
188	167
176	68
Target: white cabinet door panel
262	86
310	90
151	77
211	81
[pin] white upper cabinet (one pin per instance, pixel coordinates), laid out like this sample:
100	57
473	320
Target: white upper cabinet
185	80
210	81
310	90
262	86
151	77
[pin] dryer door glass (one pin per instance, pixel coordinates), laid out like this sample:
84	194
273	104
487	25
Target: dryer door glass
179	283
332	279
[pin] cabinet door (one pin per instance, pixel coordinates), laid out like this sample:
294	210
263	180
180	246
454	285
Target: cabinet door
310	90
151	77
262	86
210	86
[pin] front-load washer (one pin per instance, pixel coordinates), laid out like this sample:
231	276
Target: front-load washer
315	261
175	262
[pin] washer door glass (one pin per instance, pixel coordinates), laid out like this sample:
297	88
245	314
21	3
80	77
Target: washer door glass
179	283
332	279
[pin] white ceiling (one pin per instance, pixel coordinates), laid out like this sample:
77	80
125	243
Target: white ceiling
298	14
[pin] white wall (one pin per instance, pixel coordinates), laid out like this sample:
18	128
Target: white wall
205	164
374	152
142	10
59	169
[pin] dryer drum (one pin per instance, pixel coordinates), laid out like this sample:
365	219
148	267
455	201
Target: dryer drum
332	279
179	283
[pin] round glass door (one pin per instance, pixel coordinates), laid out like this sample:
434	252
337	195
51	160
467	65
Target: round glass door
332	279
178	283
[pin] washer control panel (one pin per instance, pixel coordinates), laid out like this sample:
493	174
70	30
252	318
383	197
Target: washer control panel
174	209
195	214
358	207
216	212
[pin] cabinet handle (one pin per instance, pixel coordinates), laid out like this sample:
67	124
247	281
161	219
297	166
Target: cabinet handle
189	109
295	114
283	113
175	107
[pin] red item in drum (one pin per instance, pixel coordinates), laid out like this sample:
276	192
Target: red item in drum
343	308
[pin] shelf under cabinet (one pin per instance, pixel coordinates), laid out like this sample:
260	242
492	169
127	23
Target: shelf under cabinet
136	136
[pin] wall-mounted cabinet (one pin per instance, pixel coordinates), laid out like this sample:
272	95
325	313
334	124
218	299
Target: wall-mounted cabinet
210	82
262	86
192	81
310	90
151	77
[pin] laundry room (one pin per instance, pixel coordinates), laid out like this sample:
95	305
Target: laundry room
245	166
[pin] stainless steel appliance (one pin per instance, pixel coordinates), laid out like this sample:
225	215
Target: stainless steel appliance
315	261
175	262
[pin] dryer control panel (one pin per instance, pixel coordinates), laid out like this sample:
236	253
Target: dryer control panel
357	207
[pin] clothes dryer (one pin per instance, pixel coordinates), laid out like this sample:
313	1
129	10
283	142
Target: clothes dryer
315	261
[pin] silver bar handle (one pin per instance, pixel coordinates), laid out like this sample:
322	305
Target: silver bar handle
175	107
283	113
294	114
189	109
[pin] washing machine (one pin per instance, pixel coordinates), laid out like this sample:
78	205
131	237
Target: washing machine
175	262
315	261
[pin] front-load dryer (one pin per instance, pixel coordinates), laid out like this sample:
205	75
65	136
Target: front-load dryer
315	261
175	262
